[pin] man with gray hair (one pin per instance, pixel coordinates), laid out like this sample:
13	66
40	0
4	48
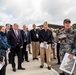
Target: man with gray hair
26	42
16	43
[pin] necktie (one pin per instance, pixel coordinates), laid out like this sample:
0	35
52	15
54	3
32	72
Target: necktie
16	33
25	37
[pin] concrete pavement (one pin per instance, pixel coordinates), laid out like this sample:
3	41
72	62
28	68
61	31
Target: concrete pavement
55	66
32	68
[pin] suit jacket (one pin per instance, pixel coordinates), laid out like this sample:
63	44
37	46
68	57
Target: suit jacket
13	40
33	35
6	34
28	36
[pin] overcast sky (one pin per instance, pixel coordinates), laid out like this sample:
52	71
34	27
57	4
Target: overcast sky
37	11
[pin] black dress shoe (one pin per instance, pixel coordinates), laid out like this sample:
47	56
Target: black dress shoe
54	58
33	58
49	68
41	66
37	58
10	63
30	53
21	68
14	70
61	74
27	60
59	63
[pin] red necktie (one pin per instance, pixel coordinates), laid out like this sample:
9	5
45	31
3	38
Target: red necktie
16	33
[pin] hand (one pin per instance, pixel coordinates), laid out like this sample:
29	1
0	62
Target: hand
28	45
3	58
37	35
62	36
21	47
58	41
70	56
45	42
53	41
8	49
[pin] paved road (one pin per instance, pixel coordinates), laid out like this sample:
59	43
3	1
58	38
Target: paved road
56	67
32	68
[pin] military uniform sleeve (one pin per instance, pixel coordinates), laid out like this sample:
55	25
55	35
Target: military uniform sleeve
74	43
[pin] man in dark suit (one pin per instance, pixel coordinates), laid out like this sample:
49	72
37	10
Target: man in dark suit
8	28
15	41
26	42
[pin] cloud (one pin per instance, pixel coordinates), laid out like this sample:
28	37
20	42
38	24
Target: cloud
59	10
36	11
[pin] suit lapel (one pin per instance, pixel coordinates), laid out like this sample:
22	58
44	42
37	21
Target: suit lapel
13	33
18	33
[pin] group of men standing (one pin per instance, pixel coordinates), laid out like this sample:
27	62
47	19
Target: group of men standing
41	40
20	40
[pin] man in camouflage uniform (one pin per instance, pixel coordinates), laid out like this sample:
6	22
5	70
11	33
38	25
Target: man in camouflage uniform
74	50
68	41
